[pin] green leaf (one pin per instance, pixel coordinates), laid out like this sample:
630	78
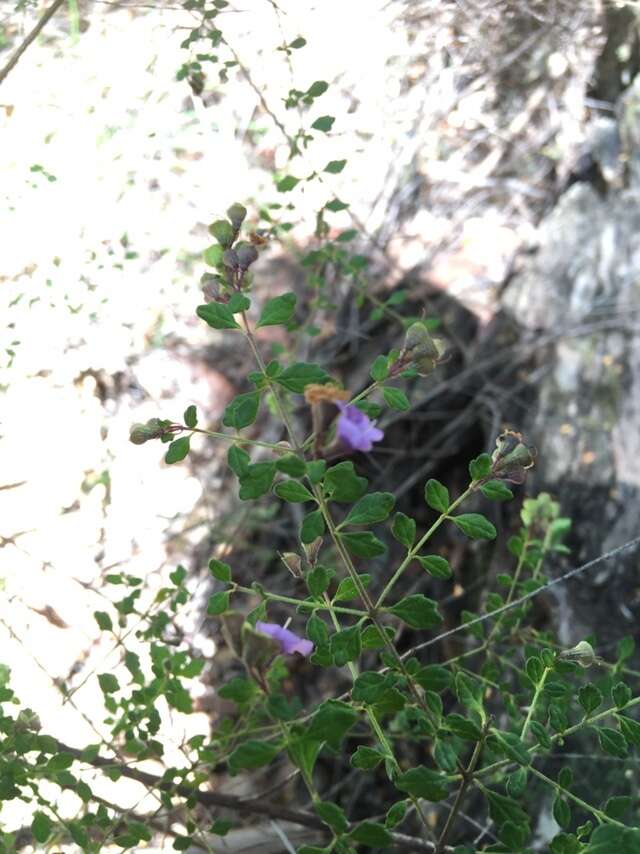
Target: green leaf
496	491
312	526
424	783
213	255
373	508
437	495
191	416
316	470
369	687
463	727
252	754
178	450
41	826
277	310
218	603
612	742
347	588
318	88
609	838
336	205
108	683
323	123
396	399
618	806
239	690
223	232
363	544
366	758
298	43
317	631
342	484
238	460
220	827
220	570
630	729
445	756
103	620
417	611
332	815
238	302
332	721
303	752
346	646
404	529
480	467
292	465
335	166
380	368
217	315
589	698
434	677
562	812
396	813
298	376
318	580
503	809
475	525
621	694
435	565
372	834
511	746
293	491
535	669
242	410
541	735
286	184
625	648
257	480
59	762
517	783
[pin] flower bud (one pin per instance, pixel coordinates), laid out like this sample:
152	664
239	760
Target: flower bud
247	254
582	654
423	350
511	457
230	259
312	550
236	214
153	429
293	562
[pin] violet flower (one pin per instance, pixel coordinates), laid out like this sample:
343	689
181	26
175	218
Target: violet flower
289	642
355	429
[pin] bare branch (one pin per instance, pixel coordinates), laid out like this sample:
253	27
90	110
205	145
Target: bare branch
33	35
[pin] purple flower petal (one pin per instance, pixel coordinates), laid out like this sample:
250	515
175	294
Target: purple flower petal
355	429
289	641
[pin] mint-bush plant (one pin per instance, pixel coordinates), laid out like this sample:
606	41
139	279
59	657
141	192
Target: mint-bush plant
484	729
462	750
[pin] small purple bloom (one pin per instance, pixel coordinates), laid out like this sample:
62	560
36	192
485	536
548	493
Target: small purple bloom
289	642
355	429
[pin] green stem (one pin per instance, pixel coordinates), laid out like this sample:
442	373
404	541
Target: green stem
414	551
466	781
601	816
534	701
238	440
300	603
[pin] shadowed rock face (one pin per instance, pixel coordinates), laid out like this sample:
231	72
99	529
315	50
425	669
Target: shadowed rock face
582	290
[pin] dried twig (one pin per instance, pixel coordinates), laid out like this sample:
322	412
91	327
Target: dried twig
33	35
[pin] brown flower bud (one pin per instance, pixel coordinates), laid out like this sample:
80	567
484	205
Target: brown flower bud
293	562
512	457
237	214
316	393
153	429
246	254
312	550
